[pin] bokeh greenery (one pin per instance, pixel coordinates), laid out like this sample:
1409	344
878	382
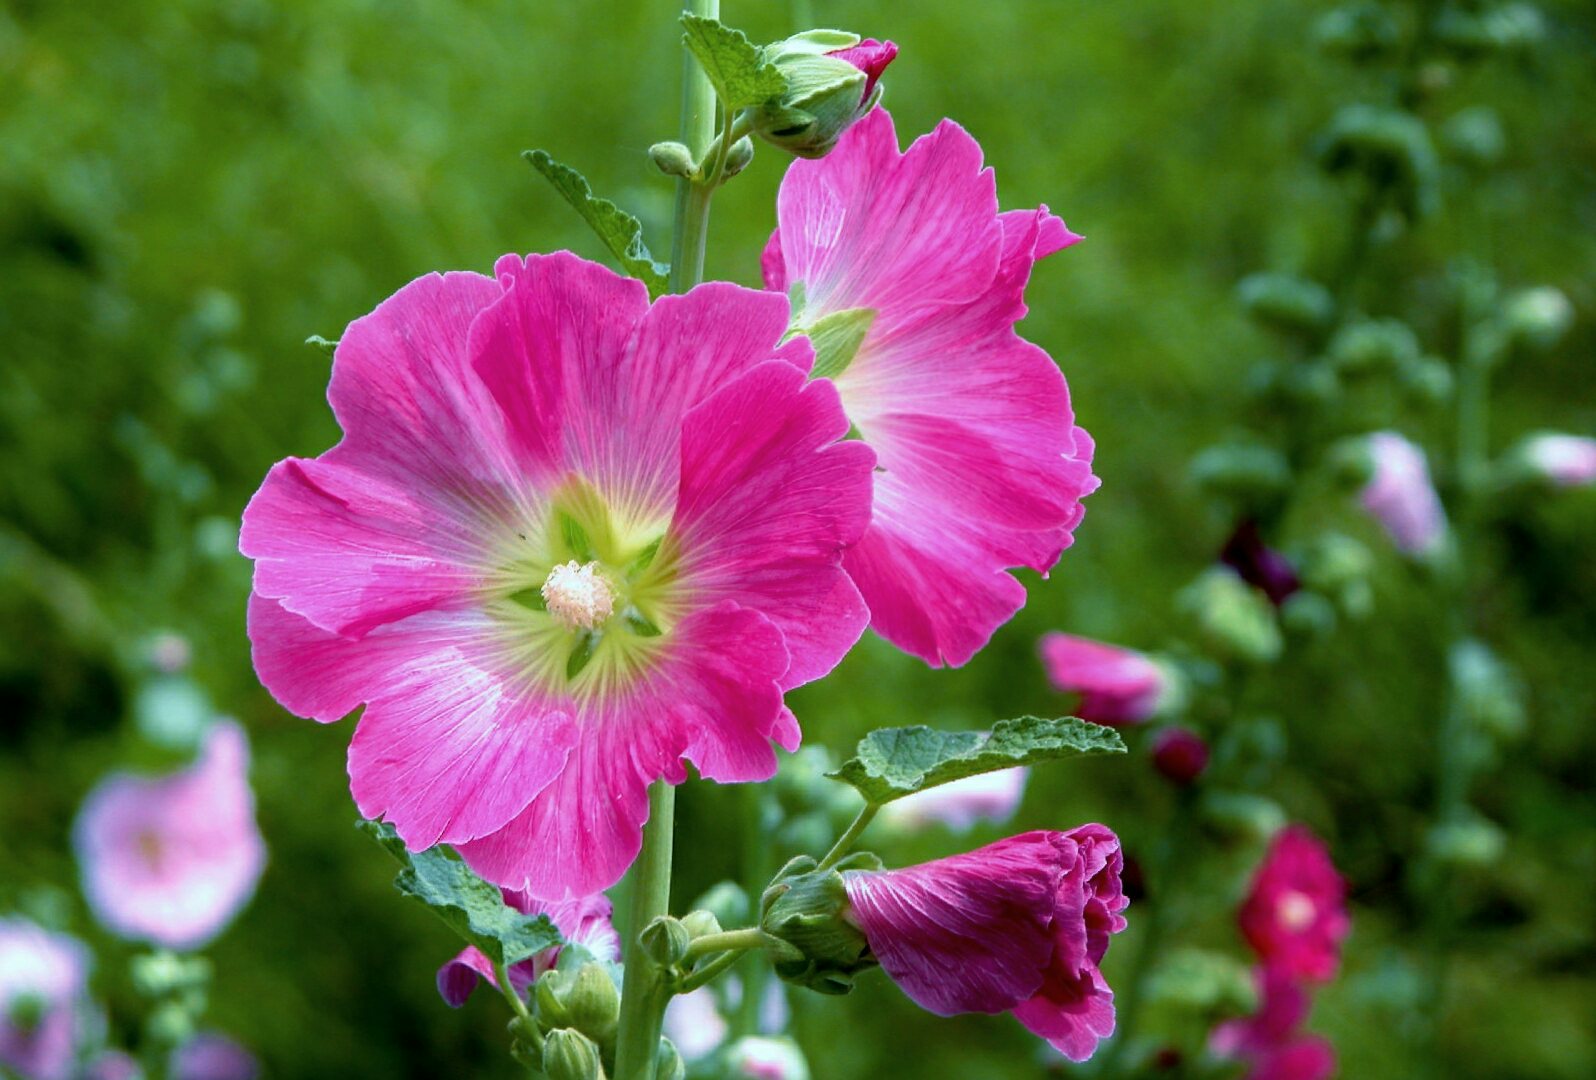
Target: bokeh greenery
189	188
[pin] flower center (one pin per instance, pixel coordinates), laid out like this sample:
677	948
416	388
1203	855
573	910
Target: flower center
149	848
1295	910
578	596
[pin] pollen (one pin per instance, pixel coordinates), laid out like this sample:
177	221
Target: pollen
578	596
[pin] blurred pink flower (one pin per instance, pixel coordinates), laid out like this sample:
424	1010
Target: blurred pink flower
1270	1040
1401	497
993	796
43	980
213	1056
114	1065
1565	460
1017	926
902	264
1295	915
693	1023
584	921
1117	686
171	859
569	541
1180	755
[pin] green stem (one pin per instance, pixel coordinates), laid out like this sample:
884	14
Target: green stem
527	1026
846	840
644	989
709	971
737	940
692	196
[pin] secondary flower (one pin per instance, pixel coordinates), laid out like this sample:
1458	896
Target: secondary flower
1295	914
694	1025
496	432
1563	460
909	282
992	796
1018	926
171	859
1117	686
1180	755
1400	496
1270	1040
584	920
43	980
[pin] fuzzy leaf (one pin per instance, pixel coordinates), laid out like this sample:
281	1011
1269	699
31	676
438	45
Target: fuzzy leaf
736	66
473	908
621	232
894	762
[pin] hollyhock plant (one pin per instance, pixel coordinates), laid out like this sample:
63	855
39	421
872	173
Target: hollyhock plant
993	796
1117	686
171	859
909	281
1295	915
1018	926
43	981
584	921
1562	460
1271	1040
570	541
1400	496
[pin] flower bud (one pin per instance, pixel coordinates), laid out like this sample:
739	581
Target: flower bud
738	157
832	81
570	1055
672	159
1308	613
1487	693
1470	842
1371	345
170	1024
1550	457
1475	136
1239	813
1428	379
1180	755
585	999
668	1063
665	940
1538	317
700	924
1286	302
1493	28
726	902
803	910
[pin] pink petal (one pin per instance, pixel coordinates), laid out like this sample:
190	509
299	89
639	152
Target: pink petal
1072	1013
1117	685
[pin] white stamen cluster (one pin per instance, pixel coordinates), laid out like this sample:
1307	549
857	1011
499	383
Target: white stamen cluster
578	596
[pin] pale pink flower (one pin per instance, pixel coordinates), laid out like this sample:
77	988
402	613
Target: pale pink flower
1295	915
496	429
1400	496
43	1012
765	1057
114	1065
694	1025
1564	460
213	1056
982	468
1271	1040
992	796
171	859
1017	926
1116	685
583	920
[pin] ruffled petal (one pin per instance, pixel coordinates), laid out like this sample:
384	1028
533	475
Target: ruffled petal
1073	1013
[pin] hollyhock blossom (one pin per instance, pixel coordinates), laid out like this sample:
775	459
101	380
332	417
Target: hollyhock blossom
213	1056
1017	926
992	796
1271	1040
114	1065
43	980
1400	496
763	1057
694	1025
1295	915
1117	686
1260	565
171	859
1564	460
909	282
584	921
569	541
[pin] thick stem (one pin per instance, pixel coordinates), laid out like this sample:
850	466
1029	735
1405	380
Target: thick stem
846	840
644	990
692	197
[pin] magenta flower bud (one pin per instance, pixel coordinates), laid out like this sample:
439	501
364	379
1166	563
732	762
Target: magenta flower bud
1401	497
1117	686
43	979
1018	926
1180	755
832	82
1260	565
1295	915
584	920
1270	1040
172	859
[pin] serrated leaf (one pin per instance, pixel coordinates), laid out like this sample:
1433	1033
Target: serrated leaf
894	762
472	907
621	232
736	66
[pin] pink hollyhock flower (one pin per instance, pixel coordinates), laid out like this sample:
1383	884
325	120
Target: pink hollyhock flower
910	282
114	1065
763	1057
1259	565
1180	755
1295	915
1117	686
1271	1040
1401	497
1564	460
569	541
213	1056
1017	926
694	1025
171	859
43	982
993	796
584	921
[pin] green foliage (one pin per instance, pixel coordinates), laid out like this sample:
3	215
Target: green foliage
893	762
621	232
736	66
471	907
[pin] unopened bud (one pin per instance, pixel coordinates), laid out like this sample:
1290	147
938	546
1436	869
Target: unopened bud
726	901
1474	135
738	157
594	1003
668	1063
813	944
1388	146
1360	32
1243	814
1180	755
1427	379
1488	694
831	83
665	940
1538	317
570	1055
672	159
1471	842
1309	614
700	924
1236	620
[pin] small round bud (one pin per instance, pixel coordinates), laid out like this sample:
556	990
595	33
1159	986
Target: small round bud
803	912
170	1024
672	159
668	1063
1428	379
738	157
1390	146
1243	814
1236	620
1180	755
570	1055
1487	692
665	940
726	902
766	1058
594	1003
1538	317
1474	136
1309	614
700	924
1371	345
1471	842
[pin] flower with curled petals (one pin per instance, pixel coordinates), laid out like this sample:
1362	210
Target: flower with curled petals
570	541
909	281
582	920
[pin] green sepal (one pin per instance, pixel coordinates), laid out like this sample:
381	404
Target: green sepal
836	339
621	232
327	348
472	907
737	68
893	762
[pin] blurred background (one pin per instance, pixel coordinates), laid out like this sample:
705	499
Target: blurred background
190	188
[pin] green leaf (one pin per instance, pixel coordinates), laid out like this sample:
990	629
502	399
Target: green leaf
837	338
473	908
894	762
736	66
621	232
316	341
